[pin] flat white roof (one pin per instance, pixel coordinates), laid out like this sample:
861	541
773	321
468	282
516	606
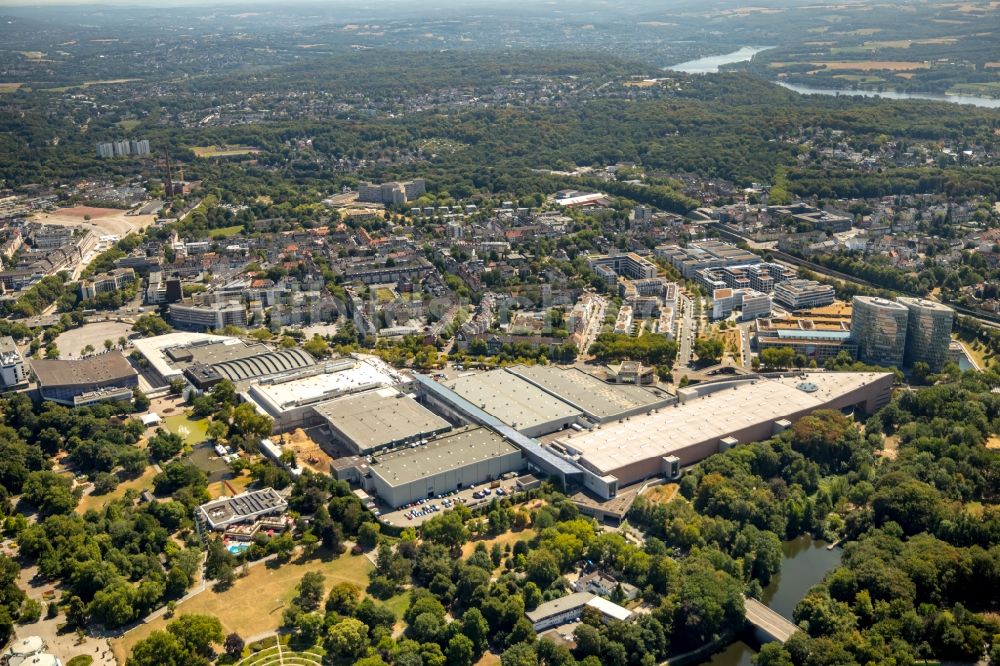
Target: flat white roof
610	609
618	444
342	376
153	348
511	399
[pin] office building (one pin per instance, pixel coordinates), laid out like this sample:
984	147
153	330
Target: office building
705	254
878	327
391	193
818	339
755	305
803	294
208	316
722	303
97	378
453	461
12	373
629	265
928	332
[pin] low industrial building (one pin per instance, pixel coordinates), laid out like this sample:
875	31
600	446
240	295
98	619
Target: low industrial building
166	356
516	402
569	609
459	459
243	508
107	376
713	417
599	401
290	400
379	419
258	362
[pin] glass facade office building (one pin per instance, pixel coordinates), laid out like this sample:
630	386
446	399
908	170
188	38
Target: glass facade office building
928	332
879	327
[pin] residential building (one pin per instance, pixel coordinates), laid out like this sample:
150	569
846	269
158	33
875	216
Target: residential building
122	148
105	149
140	147
105	283
801	294
629	265
878	327
928	332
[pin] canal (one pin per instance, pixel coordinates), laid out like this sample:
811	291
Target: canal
804	563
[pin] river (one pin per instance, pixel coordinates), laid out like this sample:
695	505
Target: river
971	100
711	65
804	563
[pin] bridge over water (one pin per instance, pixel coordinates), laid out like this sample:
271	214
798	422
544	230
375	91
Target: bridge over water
767	623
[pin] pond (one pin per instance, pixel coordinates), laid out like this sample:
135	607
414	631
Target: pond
805	561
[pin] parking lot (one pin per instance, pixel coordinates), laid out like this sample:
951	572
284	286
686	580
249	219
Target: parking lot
417	513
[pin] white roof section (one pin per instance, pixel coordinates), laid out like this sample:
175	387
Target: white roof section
713	416
610	609
511	399
153	349
25	646
151	419
341	376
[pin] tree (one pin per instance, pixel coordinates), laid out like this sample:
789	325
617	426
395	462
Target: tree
52	493
343	599
476	629
197	633
150	324
368	535
164	445
461	651
773	654
310	591
233	645
519	654
161	648
709	350
317	347
447	529
542	568
346	640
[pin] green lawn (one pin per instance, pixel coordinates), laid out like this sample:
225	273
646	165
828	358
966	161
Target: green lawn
128	125
226	232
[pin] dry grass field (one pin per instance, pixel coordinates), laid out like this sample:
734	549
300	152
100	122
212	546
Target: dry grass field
223	151
104	220
254	604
